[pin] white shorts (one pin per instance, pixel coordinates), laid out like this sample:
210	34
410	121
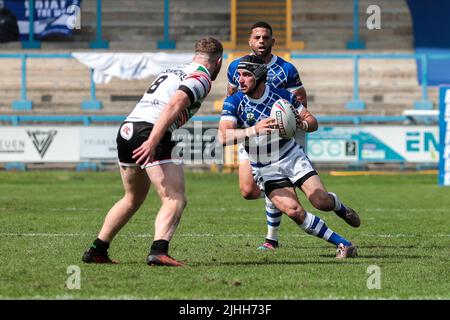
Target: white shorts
294	169
300	138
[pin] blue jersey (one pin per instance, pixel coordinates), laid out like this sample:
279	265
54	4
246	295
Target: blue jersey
280	74
246	112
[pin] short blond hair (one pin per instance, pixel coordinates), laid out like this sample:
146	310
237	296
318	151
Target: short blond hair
210	47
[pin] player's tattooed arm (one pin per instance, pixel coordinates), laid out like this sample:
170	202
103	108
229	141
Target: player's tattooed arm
306	121
301	96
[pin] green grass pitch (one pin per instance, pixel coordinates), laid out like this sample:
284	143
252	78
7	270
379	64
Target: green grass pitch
48	219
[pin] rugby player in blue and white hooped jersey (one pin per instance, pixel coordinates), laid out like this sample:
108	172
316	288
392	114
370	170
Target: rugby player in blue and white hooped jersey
246	116
280	74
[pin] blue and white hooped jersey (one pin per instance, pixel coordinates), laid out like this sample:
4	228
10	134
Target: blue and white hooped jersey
246	112
280	74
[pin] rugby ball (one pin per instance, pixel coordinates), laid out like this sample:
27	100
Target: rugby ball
285	118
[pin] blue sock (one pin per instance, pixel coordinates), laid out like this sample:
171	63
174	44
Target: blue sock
339	207
317	227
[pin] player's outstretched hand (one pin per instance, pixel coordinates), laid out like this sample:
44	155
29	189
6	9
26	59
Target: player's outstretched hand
266	126
144	154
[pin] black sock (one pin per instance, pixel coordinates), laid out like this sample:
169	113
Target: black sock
159	247
272	242
100	246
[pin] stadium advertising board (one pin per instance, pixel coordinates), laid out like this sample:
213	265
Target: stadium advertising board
98	143
444	134
39	144
374	144
198	146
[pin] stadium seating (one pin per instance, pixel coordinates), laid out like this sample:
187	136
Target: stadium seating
387	86
323	25
138	24
58	86
327	24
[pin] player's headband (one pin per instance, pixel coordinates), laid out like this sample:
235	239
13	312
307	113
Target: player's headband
259	70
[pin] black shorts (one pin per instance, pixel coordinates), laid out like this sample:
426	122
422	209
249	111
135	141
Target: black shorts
131	135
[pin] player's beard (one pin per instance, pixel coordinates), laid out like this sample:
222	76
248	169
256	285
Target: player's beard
251	89
263	53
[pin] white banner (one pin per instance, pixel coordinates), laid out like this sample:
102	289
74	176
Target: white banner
129	66
39	144
98	143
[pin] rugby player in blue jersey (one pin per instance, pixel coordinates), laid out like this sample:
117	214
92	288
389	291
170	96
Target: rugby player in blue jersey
246	118
280	74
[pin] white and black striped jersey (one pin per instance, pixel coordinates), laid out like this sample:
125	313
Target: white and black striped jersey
193	78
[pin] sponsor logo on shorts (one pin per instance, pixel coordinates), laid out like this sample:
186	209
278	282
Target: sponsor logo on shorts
126	131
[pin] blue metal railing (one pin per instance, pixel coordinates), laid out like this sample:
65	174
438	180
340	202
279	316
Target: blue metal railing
99	42
356	43
166	43
23	103
356	103
31	43
90	119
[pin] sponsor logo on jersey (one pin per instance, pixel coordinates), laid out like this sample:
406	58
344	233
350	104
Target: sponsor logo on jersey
179	73
250	118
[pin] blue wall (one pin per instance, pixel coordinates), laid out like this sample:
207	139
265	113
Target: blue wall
431	23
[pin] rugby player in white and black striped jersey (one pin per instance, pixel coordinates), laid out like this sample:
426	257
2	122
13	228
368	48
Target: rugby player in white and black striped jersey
144	144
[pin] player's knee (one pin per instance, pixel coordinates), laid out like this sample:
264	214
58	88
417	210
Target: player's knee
176	203
249	193
295	212
134	200
321	200
245	193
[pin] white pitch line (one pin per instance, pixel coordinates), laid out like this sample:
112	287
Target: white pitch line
240	209
408	210
212	235
131	297
237	209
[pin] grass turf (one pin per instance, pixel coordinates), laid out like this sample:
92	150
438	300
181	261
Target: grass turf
48	219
